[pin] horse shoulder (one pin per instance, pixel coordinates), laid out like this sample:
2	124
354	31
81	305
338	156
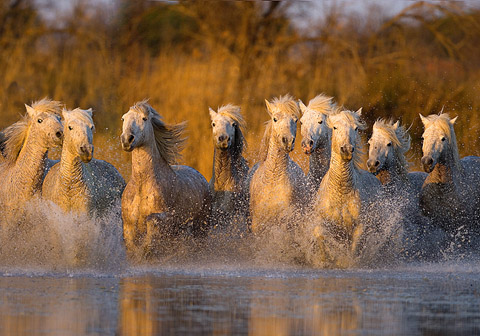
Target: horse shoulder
417	179
109	174
190	184
369	185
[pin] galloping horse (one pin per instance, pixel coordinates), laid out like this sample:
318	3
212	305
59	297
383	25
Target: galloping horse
161	199
277	183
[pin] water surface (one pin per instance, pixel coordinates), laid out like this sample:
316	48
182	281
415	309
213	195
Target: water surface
426	299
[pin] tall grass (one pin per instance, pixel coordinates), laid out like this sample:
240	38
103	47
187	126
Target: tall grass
419	61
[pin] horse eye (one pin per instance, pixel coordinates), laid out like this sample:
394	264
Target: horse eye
213	124
334	128
320	122
356	128
301	123
275	119
443	139
70	128
389	144
234	124
39	121
91	128
422	138
144	118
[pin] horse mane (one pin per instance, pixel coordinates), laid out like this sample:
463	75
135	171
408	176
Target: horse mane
14	136
265	141
79	114
287	104
234	112
442	121
352	117
169	139
399	138
322	104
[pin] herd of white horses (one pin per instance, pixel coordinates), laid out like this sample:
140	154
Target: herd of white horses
163	200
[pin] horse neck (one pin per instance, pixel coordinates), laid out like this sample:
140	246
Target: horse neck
276	161
342	174
393	173
225	169
30	165
147	163
319	161
71	169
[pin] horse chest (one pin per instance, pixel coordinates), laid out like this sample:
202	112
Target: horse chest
345	209
276	194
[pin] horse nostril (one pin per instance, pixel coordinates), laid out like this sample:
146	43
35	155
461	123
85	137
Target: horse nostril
59	134
284	140
222	138
377	163
352	150
311	142
131	138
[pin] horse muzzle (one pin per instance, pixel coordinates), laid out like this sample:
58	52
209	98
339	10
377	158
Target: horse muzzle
428	164
307	146
288	143
346	151
86	153
373	165
58	138
223	142
127	142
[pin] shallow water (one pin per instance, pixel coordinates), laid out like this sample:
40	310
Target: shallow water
440	298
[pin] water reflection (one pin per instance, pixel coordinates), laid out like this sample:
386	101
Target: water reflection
322	303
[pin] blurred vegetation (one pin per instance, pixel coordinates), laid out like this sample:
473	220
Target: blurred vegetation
188	55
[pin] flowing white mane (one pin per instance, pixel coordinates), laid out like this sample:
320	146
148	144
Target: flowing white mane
169	139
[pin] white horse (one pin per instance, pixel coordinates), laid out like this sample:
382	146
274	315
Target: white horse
346	190
386	158
451	192
25	153
277	183
316	137
388	145
78	182
230	169
161	200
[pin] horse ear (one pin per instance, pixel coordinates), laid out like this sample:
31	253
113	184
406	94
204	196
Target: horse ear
424	119
65	113
269	107
212	113
359	111
452	121
395	126
89	111
302	106
30	110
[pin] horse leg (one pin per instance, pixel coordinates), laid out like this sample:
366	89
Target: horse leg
356	237
158	228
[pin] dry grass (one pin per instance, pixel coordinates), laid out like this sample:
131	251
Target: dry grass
393	67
